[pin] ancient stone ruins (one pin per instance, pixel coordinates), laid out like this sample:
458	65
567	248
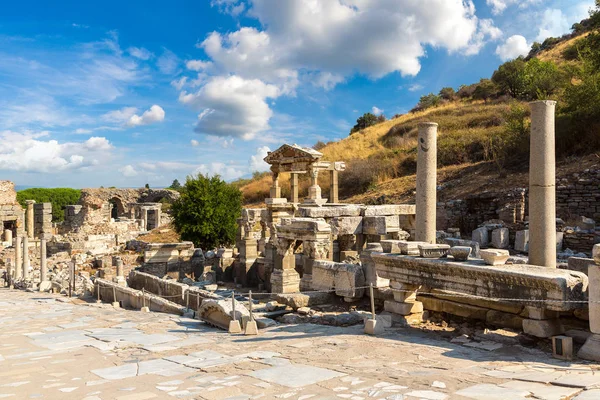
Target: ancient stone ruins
495	258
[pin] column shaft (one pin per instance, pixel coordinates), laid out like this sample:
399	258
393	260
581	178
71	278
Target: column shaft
294	187
542	190
333	187
18	257
25	257
43	265
426	182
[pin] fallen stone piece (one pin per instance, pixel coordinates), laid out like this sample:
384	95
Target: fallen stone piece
500	238
348	280
481	236
297	300
494	257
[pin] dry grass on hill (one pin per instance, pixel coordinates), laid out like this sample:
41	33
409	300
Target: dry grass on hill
162	234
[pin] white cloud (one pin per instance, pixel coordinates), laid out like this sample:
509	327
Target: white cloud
376	110
119	116
197	65
227	172
168	62
233	7
514	47
153	115
128	171
498	6
232	106
140	52
556	22
81	131
194	143
257	162
487	32
415	87
26	152
179	83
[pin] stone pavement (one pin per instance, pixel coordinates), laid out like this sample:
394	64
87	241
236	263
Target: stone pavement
51	348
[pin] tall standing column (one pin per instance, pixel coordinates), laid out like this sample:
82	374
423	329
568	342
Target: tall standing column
426	182
43	265
25	257
29	223
542	190
275	191
333	187
18	257
294	187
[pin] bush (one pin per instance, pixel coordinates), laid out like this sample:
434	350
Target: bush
59	197
366	120
485	90
542	79
510	77
427	101
207	211
319	145
447	93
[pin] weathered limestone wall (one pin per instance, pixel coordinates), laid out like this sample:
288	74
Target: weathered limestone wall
8	195
12	215
42	219
174	259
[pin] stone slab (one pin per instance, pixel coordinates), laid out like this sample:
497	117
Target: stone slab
487	391
295	375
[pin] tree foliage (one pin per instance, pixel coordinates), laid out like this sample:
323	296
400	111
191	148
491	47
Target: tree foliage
207	211
366	120
510	77
59	197
447	93
485	90
175	185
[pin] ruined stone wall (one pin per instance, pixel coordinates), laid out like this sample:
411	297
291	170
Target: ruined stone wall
12	215
579	195
8	195
42	219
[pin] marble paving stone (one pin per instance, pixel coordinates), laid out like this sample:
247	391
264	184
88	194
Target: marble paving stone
541	391
295	375
593	394
138	396
486	391
118	372
588	380
539	376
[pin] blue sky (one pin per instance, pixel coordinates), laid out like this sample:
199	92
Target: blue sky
133	92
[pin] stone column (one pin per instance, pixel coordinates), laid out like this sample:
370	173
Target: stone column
145	219
275	191
294	187
542	190
313	250
591	349
25	257
426	182
8	236
43	266
314	191
120	276
30	224
333	187
284	278
18	258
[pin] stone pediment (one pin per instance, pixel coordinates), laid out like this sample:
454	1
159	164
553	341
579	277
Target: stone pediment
290	154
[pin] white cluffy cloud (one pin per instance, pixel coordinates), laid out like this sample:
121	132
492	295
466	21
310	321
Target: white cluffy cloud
376	110
514	47
232	106
28	152
257	162
128	171
498	6
127	116
154	114
140	52
323	42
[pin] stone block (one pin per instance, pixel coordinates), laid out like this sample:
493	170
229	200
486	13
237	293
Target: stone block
559	241
580	264
251	328
481	236
522	241
462	242
298	300
346	226
350	210
348	280
234	327
562	347
503	319
381	225
403	308
591	349
586	224
500	238
373	327
388	209
543	328
450	307
596	253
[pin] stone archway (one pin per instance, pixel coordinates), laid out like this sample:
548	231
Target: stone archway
118	209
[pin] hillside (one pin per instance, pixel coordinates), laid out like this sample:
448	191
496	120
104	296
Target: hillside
483	141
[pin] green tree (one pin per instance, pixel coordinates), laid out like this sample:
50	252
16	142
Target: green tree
428	101
510	77
207	211
542	79
175	185
364	121
147	186
485	90
447	93
59	197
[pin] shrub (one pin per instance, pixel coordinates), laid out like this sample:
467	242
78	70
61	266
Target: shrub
364	121
207	211
319	145
542	79
510	77
485	90
447	93
59	197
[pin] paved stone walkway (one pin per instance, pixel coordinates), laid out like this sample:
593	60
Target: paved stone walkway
51	348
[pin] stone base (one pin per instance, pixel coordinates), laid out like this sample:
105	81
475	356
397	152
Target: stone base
120	280
543	328
277	200
145	309
403	308
285	281
116	304
373	327
45	286
306	282
591	349
251	328
314	202
234	327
